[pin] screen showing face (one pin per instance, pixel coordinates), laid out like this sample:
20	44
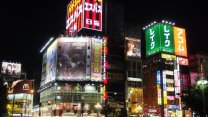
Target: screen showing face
133	48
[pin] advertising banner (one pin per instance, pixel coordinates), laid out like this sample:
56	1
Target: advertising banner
180	41
51	62
11	69
166	37
84	14
159	38
19	86
93	14
133	47
152	40
75	14
96	59
72	59
44	63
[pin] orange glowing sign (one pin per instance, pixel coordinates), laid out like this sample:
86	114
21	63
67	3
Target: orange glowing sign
183	61
180	41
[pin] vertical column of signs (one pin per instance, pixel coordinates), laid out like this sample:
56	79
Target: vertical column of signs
105	63
96	59
165	93
159	93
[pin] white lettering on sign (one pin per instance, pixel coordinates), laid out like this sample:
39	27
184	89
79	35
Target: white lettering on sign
93	7
152	35
74	16
167	34
180	40
92	22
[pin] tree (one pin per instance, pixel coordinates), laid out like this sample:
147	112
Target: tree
3	98
194	100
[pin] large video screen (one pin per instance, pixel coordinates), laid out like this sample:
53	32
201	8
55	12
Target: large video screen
133	47
72	60
11	69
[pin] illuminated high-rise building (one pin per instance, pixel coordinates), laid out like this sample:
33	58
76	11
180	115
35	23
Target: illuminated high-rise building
72	76
164	69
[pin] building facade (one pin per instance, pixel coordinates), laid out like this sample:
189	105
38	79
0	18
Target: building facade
72	80
165	74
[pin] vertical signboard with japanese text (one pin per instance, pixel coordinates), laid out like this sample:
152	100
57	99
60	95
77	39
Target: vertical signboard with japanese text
74	19
84	14
152	40
96	59
93	14
180	42
166	36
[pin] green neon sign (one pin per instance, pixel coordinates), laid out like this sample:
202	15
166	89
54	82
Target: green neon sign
159	38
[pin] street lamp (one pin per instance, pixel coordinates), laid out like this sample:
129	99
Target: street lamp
203	83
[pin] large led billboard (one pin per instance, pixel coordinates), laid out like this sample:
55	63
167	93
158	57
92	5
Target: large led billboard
84	14
96	59
51	62
72	59
159	38
133	47
11	69
180	42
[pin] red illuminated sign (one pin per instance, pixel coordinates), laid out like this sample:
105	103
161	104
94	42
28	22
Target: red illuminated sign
93	14
74	16
84	14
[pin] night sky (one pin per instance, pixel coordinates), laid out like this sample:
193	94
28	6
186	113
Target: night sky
27	25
